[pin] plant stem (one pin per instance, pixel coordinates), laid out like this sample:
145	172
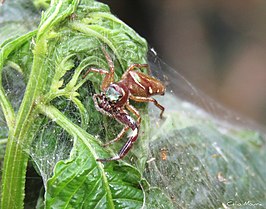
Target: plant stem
4	53
13	178
15	162
20	133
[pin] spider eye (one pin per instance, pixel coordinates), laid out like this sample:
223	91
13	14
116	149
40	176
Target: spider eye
112	94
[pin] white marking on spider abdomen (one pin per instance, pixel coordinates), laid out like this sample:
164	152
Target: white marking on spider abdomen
137	79
150	90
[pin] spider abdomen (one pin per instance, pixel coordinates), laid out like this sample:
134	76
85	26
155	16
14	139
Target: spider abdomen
140	84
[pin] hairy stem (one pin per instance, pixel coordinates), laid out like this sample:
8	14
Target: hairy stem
13	179
4	53
20	127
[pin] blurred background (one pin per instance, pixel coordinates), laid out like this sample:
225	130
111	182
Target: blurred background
219	46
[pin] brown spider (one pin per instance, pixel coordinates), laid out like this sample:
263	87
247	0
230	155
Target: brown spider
114	99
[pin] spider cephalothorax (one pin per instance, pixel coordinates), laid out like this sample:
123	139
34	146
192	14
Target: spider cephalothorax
115	96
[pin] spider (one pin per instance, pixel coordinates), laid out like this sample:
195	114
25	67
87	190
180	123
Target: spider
114	100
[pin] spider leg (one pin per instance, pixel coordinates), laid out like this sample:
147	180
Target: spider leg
109	76
148	99
128	145
125	129
109	60
101	71
134	111
119	136
131	67
126	119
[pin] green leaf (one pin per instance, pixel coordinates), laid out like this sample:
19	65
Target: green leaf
189	161
21	128
81	183
62	48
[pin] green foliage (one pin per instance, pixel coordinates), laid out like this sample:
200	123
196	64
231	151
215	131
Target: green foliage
51	60
187	161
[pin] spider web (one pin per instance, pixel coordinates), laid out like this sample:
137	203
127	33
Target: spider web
201	154
196	156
